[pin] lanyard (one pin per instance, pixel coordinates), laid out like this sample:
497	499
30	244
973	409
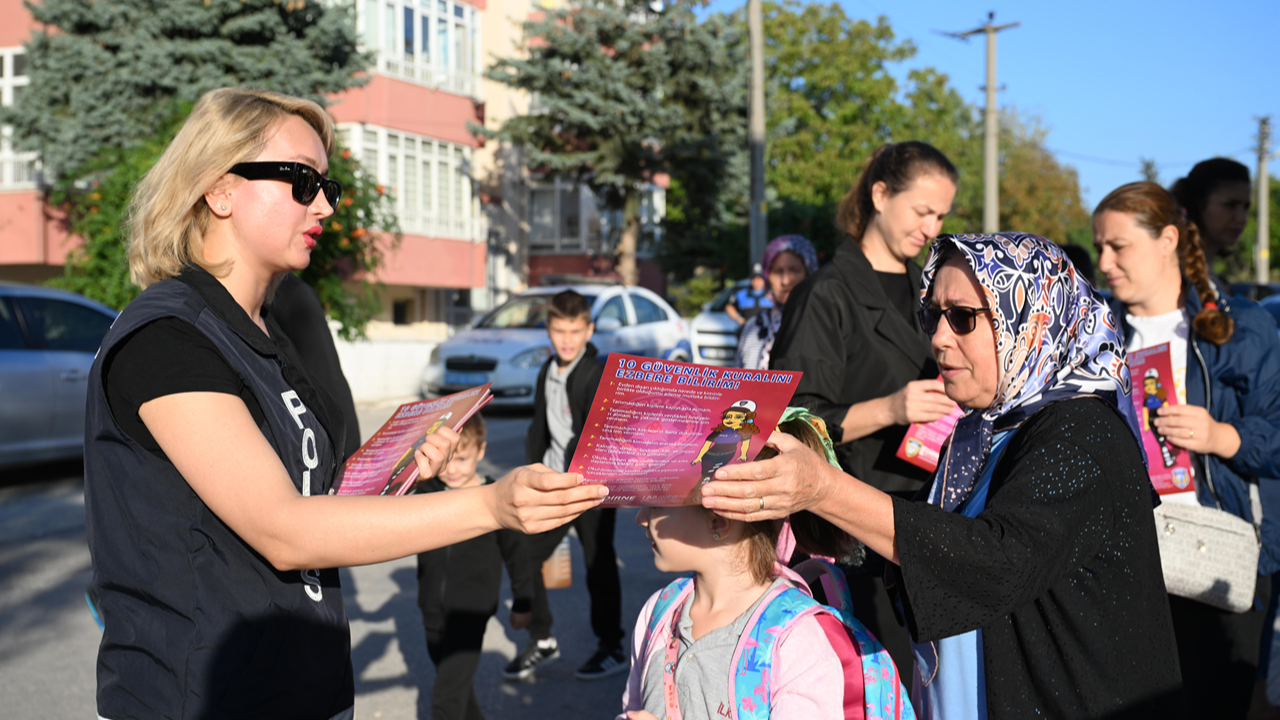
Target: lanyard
669	667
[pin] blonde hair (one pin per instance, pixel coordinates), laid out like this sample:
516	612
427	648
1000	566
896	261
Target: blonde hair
167	215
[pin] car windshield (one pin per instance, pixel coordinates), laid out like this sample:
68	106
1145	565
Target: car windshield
525	311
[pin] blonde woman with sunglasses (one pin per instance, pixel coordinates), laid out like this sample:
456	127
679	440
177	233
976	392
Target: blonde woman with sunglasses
210	452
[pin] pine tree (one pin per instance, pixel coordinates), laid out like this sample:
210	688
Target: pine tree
101	69
627	89
111	83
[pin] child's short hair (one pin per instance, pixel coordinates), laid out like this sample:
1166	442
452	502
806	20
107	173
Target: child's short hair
568	305
473	432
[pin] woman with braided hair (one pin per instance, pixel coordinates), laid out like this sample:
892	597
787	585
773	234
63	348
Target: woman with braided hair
1226	373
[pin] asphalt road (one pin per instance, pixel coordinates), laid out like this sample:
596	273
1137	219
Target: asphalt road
48	640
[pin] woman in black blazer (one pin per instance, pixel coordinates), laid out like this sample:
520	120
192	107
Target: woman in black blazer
852	329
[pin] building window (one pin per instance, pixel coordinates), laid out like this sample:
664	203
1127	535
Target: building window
427	179
400	312
448	61
17	169
562	218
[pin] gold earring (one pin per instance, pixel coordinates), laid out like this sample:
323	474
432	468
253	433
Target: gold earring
715	536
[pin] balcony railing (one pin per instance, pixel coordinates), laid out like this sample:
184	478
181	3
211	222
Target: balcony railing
470	229
407	68
18	171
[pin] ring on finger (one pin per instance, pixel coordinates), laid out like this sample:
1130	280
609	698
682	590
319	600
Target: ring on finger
1191	433
761	504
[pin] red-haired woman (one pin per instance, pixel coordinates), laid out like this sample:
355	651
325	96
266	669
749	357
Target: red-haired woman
1226	368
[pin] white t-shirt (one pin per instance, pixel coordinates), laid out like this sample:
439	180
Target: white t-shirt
1173	328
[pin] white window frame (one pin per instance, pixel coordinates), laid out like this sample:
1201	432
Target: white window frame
385	152
17	169
439	67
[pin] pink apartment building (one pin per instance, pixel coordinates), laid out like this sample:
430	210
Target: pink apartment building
475	225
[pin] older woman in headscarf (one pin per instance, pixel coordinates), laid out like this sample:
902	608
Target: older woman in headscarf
1027	572
788	260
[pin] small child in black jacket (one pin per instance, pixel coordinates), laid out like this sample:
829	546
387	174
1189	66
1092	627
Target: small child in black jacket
458	587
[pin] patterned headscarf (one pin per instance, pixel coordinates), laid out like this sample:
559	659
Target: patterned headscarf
1055	339
791	243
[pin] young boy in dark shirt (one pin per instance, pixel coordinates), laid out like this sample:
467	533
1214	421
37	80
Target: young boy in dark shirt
458	587
563	394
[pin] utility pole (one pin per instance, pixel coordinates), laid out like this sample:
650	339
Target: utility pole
991	143
755	131
1262	248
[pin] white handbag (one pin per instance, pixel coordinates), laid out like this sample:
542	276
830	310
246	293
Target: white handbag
1208	555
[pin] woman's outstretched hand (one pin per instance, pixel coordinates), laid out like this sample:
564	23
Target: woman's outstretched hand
435	452
797	479
534	499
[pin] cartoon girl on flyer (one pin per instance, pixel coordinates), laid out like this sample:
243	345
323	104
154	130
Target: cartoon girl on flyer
392	485
1154	396
728	440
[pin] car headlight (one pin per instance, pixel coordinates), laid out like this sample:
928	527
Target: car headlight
531	358
435	356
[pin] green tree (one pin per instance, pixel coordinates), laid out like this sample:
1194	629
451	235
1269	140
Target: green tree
95	201
627	90
111	83
98	69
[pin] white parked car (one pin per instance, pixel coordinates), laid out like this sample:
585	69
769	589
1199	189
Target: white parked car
714	337
508	345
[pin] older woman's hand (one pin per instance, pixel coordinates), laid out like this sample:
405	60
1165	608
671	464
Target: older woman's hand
534	498
797	479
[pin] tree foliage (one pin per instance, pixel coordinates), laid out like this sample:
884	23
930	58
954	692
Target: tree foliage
111	83
627	90
832	100
96	208
100	68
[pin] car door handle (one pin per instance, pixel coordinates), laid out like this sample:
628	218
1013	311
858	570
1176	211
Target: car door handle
72	375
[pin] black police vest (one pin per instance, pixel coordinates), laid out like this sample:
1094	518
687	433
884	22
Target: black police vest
197	623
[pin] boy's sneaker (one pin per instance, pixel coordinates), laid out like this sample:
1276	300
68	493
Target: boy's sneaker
534	654
606	662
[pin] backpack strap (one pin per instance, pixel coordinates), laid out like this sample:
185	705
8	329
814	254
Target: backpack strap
883	691
668	599
752	679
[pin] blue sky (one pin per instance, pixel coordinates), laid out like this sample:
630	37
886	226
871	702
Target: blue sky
1177	81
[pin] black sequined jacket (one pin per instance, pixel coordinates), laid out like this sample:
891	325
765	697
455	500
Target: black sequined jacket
1061	572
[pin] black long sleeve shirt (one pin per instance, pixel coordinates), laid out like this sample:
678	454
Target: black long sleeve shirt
1061	572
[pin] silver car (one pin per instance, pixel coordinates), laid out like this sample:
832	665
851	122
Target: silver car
714	335
47	342
509	344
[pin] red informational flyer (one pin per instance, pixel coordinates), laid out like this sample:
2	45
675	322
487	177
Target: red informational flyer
1153	386
658	431
384	465
923	442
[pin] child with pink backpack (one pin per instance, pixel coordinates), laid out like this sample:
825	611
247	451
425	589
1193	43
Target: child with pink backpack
743	637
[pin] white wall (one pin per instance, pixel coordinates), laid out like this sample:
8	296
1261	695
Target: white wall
384	369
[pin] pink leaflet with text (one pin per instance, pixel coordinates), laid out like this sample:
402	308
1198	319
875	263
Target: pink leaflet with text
1153	386
923	442
658	430
384	465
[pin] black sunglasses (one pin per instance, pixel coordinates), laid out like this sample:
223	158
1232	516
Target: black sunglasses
307	181
961	319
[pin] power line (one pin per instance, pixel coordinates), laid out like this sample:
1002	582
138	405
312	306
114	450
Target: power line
1137	162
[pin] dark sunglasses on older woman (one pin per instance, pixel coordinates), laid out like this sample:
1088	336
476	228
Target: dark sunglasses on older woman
307	181
961	319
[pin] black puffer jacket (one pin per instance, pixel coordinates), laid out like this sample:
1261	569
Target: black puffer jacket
467	577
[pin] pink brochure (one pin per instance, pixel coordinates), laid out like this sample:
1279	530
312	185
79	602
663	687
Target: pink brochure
923	442
658	430
1153	386
384	465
